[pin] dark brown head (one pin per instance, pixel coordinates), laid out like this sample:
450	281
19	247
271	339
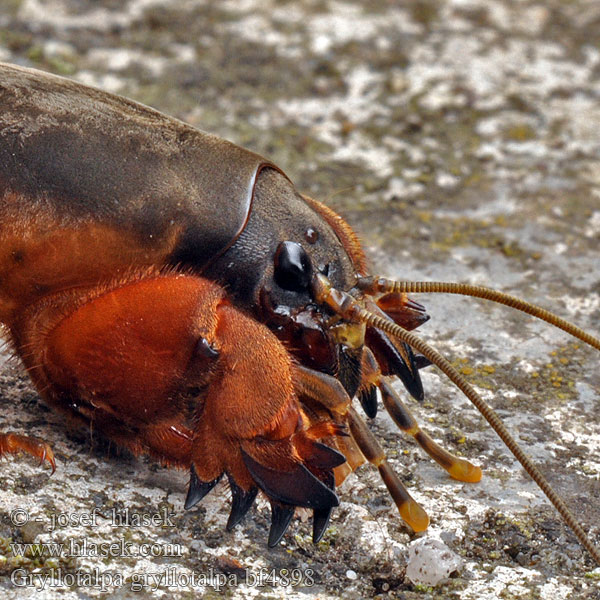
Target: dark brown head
270	267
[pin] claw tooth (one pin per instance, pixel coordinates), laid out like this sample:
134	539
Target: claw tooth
241	501
198	489
325	457
321	515
298	487
413	385
368	401
281	515
320	522
402	362
421	361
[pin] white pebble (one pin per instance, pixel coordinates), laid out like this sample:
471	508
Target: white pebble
430	561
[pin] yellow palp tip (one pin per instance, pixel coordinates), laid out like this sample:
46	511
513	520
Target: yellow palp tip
414	516
465	471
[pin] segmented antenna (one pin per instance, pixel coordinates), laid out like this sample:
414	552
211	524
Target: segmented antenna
374	285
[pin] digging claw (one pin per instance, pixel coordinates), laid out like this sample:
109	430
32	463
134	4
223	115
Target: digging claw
241	502
399	359
324	457
197	489
320	522
297	487
281	516
421	361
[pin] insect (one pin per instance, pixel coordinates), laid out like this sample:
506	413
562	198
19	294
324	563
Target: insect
176	293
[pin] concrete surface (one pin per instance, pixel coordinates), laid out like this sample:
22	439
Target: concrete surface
461	139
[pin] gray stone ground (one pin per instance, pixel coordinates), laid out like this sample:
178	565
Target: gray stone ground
461	139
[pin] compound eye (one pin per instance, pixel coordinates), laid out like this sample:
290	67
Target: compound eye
293	269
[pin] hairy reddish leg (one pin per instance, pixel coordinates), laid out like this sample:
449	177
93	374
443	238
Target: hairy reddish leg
163	364
252	428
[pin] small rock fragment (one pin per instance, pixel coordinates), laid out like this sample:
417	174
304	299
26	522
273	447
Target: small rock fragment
430	561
